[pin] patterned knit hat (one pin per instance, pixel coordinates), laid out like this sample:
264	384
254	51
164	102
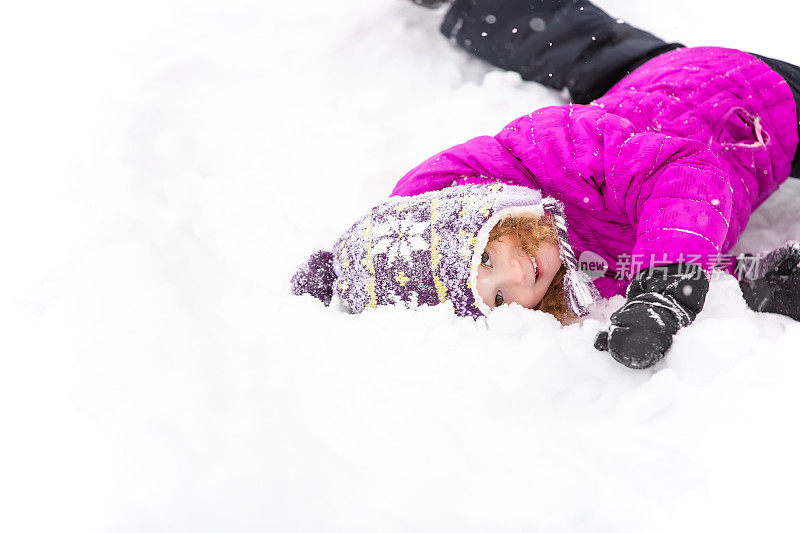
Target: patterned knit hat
426	249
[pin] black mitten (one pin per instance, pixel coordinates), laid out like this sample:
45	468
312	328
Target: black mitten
661	300
770	283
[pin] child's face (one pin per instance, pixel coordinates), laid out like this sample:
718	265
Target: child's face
506	274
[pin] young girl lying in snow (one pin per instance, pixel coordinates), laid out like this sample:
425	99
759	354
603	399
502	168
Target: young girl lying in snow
654	171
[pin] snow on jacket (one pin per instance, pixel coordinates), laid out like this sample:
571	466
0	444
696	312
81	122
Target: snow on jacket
668	164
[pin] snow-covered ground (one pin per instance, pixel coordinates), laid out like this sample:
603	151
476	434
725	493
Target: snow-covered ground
166	165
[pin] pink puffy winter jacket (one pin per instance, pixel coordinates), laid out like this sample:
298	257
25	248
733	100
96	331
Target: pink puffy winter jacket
668	165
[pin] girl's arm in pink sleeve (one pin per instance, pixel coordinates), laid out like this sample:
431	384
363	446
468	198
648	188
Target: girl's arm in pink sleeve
480	160
671	190
677	197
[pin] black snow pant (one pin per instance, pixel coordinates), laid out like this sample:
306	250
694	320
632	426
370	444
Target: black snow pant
569	44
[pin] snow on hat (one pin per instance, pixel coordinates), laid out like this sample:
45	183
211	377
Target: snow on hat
426	249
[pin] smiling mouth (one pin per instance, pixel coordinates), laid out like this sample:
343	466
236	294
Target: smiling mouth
535	269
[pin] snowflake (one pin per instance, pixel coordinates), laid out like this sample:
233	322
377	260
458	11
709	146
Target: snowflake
399	237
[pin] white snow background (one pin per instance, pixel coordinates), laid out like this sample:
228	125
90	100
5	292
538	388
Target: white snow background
167	165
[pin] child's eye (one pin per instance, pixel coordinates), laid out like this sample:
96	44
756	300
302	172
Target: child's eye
485	259
498	299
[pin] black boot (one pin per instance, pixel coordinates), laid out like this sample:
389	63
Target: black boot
770	283
558	43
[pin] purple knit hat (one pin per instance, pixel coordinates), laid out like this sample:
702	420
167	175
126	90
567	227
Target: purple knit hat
426	249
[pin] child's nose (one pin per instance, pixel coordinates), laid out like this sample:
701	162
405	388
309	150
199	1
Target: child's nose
516	272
